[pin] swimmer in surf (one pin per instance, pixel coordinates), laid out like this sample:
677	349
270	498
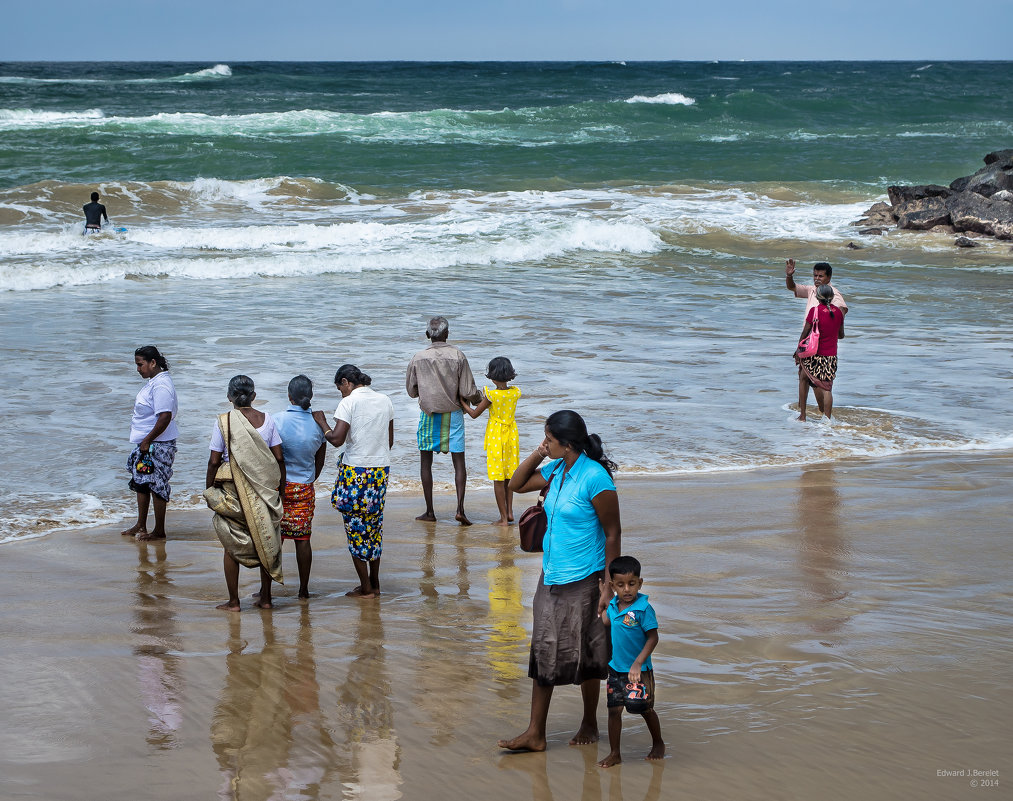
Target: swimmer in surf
93	214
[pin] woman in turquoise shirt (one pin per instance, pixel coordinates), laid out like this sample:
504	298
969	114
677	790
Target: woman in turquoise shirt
304	448
569	644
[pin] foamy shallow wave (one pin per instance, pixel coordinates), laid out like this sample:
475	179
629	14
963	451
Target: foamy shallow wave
667	99
35	515
292	250
339	231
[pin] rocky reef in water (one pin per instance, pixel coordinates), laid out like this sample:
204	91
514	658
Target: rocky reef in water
980	204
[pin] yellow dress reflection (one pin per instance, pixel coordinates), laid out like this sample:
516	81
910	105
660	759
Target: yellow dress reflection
508	636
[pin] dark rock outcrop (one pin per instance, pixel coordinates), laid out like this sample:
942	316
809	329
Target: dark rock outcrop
981	203
921	215
905	194
972	212
964	242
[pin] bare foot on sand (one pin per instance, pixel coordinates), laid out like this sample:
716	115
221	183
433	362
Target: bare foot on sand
614	758
462	518
801	418
502	522
263	604
358	593
304	594
523	742
585	735
427	517
154	535
656	752
228	606
137	528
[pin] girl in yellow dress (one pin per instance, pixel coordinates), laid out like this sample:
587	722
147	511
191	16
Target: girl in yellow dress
502	447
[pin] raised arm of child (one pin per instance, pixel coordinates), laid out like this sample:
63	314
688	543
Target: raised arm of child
475	411
646	651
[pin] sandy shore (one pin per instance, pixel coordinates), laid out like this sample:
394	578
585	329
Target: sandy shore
836	632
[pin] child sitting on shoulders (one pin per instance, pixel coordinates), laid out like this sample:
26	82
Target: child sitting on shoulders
633	629
502	444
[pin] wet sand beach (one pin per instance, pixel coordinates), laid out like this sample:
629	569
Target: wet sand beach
838	631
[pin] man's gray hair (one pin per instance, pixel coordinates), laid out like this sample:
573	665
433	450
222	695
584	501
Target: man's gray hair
438	328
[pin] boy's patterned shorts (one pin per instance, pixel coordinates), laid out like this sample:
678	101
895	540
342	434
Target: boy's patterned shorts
619	692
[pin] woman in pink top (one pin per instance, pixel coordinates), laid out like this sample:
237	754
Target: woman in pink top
820	369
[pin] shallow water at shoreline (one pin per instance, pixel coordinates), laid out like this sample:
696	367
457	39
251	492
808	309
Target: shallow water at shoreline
662	355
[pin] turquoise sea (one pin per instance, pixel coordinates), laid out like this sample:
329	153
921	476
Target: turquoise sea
618	230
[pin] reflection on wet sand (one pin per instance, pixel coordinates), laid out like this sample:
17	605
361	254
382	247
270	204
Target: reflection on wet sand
507	641
653	789
310	750
366	714
267	731
535	767
158	640
823	551
447	624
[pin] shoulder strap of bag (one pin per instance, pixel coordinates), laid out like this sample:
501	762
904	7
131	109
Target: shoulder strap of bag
545	489
227	417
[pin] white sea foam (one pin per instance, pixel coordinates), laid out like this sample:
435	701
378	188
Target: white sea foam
211	73
530	127
68	259
432	230
14	118
28	79
668	99
38	514
217	71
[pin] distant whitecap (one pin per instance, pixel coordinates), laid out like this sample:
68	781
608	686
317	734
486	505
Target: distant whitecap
667	99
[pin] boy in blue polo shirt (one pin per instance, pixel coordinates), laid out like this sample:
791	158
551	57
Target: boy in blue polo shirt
633	628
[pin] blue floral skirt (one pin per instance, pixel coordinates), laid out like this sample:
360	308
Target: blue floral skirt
162	454
359	493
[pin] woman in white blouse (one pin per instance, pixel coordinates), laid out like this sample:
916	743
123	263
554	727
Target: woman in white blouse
364	424
153	435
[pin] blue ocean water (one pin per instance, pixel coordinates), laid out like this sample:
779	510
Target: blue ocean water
618	230
496	126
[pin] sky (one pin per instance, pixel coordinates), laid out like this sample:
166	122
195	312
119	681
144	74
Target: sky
510	30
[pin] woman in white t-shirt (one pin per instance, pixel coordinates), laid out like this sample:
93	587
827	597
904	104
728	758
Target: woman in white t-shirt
153	435
364	425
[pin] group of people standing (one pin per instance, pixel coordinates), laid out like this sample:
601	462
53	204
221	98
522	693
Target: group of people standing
590	620
261	469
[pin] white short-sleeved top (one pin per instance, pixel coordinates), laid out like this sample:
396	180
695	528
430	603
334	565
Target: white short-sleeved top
368	414
156	396
268	432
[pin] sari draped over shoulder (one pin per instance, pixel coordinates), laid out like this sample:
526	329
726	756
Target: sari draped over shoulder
245	497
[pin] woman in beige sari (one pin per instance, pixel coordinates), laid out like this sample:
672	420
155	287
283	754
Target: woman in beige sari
246	473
